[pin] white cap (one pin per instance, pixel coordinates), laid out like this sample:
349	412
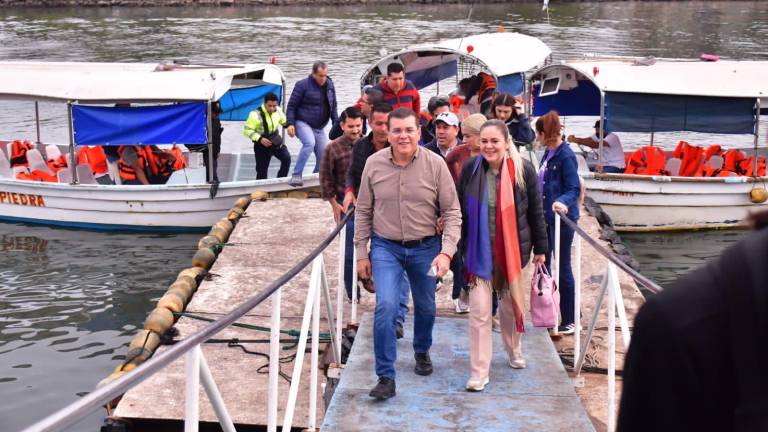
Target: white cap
448	118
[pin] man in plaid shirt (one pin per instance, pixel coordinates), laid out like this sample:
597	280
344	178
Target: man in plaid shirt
333	173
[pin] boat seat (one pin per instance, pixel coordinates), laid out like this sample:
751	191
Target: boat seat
4	148
52	151
716	162
114	172
19	169
64	176
187	176
5	167
672	166
582	163
84	175
36	161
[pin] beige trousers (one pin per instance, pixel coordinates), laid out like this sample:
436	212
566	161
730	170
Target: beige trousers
480	324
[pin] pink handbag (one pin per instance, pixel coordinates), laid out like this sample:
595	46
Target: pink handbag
545	299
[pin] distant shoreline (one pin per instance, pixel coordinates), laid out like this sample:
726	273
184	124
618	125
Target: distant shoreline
236	3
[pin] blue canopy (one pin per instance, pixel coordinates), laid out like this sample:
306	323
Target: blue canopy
237	103
183	123
583	100
637	112
512	84
425	77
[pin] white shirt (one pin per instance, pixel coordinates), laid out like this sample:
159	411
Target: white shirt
613	154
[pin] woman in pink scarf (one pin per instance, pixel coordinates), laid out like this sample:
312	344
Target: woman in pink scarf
502	221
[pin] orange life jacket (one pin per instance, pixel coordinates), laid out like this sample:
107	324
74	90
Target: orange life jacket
456	102
37	175
747	166
732	159
127	173
95	158
180	163
714	150
648	160
19	151
487	85
57	164
691	157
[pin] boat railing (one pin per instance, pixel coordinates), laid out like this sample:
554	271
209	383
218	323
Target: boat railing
610	288
196	366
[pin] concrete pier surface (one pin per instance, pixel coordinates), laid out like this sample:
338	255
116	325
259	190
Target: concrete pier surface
273	236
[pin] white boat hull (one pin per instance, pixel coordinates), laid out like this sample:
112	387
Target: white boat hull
141	208
645	203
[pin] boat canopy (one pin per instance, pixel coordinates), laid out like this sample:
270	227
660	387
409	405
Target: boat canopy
507	56
142	103
655	95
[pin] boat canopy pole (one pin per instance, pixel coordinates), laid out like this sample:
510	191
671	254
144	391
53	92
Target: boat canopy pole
757	132
37	122
72	158
651	138
602	133
209	138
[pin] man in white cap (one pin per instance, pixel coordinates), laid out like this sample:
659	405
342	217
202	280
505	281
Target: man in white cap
446	134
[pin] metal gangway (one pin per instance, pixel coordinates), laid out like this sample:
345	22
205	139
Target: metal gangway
197	370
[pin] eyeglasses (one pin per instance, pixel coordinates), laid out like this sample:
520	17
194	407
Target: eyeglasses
407	131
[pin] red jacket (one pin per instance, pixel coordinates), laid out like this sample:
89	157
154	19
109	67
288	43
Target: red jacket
407	97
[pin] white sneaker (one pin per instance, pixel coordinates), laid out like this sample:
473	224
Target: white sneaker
463	302
517	363
496	326
476	384
296	181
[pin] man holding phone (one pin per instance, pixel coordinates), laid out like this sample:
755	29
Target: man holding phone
403	192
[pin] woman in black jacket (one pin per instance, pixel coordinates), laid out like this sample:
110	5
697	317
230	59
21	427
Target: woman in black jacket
502	221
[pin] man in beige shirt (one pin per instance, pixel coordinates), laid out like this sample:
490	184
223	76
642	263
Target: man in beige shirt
403	192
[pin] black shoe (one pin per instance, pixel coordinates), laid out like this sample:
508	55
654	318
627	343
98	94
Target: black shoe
566	329
384	389
423	364
399	332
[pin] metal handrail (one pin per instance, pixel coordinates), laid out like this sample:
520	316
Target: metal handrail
102	395
639	278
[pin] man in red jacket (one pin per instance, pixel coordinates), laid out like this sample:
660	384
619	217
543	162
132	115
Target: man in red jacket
398	91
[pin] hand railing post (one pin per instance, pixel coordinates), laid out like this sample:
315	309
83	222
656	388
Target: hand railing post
217	402
623	322
298	362
192	392
315	348
611	310
555	261
340	295
577	301
274	362
355	297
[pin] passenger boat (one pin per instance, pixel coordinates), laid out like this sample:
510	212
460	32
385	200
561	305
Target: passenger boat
179	97
439	67
664	95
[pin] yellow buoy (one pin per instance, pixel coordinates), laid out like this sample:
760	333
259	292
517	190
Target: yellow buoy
259	196
171	301
145	339
188	279
137	356
758	195
225	223
298	194
203	258
207	242
113	376
183	285
159	321
243	203
195	273
125	367
219	233
235	213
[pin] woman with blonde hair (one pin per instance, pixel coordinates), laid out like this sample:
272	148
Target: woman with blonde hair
560	185
502	222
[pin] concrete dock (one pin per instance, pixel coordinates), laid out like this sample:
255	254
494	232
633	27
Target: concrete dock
274	235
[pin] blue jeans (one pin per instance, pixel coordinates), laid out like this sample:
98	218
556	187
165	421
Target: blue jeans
613	170
389	260
312	140
567	283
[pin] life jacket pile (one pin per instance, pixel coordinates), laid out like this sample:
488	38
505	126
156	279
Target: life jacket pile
95	158
19	151
648	160
696	161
